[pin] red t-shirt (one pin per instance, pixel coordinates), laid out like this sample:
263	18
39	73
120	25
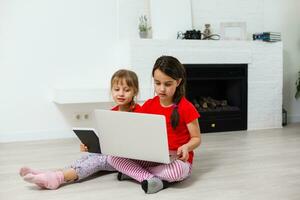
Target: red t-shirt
136	108
187	114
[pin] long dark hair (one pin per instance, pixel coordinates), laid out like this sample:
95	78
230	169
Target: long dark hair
173	68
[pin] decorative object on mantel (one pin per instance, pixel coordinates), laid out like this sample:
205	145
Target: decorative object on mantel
207	31
297	94
189	35
267	36
196	35
144	27
233	31
207	34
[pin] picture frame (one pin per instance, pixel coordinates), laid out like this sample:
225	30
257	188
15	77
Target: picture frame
233	30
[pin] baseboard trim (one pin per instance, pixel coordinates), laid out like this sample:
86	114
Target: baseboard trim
293	118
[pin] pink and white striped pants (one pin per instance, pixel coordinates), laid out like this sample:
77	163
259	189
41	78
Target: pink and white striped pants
144	170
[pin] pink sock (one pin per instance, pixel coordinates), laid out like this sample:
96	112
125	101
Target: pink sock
27	170
48	180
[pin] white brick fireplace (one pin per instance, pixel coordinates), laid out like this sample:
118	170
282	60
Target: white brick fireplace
265	69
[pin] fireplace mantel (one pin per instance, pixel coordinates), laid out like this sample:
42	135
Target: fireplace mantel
265	69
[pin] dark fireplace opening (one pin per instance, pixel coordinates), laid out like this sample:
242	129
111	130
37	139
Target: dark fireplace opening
219	92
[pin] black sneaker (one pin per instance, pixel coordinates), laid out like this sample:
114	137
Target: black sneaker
122	177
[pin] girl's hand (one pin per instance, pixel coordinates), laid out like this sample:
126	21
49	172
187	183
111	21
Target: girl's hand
183	153
83	148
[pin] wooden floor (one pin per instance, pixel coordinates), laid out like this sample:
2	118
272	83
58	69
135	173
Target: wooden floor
252	165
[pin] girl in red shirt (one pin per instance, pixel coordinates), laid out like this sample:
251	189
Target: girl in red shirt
124	88
182	128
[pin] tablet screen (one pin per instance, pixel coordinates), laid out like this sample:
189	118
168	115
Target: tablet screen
89	138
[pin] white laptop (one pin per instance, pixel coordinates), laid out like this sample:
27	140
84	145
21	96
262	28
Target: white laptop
133	135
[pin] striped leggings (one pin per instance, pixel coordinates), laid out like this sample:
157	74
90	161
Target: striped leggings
144	170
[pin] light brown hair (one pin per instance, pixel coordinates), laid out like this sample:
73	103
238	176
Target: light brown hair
130	79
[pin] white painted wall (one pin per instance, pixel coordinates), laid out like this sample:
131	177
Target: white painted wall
291	37
71	44
50	44
283	16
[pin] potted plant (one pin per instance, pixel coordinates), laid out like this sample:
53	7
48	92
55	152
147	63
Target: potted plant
143	26
297	95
